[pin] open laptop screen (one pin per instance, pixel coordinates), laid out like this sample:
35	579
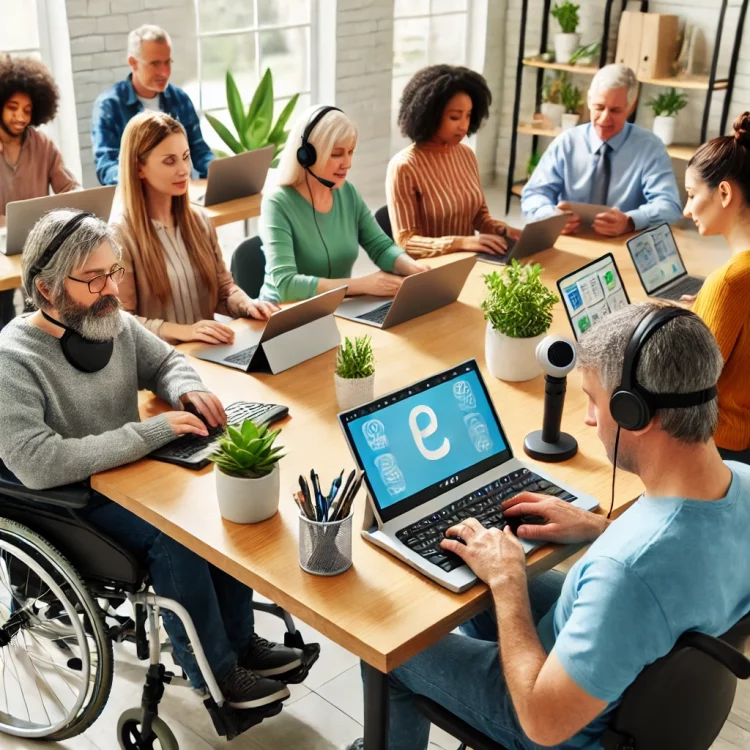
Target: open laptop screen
591	292
656	258
416	442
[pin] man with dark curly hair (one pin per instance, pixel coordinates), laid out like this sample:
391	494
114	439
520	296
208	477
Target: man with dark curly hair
30	163
435	198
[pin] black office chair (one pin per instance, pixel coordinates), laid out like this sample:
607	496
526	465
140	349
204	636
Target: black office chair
384	220
679	702
249	266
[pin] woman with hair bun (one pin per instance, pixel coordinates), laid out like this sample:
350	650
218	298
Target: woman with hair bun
718	188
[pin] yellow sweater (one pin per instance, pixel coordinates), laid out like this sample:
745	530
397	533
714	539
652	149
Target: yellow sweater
724	305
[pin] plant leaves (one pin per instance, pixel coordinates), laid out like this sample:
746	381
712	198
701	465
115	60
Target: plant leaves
236	108
248	450
225	134
278	135
260	113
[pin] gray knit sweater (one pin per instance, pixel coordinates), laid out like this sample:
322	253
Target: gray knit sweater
59	425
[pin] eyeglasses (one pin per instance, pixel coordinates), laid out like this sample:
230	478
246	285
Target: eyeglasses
97	284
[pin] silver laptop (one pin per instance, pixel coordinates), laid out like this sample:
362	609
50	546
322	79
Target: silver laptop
660	266
435	453
535	237
419	294
236	176
246	352
22	215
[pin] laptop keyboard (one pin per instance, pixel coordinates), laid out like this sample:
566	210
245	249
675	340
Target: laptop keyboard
242	358
424	537
377	315
192	451
686	285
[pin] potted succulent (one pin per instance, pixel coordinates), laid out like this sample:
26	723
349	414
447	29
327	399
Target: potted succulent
666	106
355	373
246	465
552	106
572	100
566	42
518	310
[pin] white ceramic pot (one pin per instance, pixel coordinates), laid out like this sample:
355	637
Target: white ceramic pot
570	121
565	46
247	500
511	359
664	128
351	392
553	112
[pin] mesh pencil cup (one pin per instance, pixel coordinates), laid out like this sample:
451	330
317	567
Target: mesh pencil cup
325	548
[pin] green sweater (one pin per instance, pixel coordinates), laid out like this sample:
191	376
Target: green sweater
296	258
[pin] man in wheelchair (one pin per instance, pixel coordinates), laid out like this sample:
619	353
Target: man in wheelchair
676	561
69	378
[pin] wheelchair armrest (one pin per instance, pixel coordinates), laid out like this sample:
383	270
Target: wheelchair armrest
454	726
74	496
737	663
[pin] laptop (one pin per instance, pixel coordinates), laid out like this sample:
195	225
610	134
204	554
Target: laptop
435	453
22	215
535	237
660	266
420	293
236	176
246	351
591	292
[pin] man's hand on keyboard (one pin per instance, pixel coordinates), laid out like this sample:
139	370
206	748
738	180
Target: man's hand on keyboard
185	423
565	523
208	407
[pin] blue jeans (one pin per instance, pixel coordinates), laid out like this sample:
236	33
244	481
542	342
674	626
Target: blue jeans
462	673
220	606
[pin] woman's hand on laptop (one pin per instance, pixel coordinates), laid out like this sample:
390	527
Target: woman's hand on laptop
482	243
512	232
207	331
405	265
378	284
255	308
563	522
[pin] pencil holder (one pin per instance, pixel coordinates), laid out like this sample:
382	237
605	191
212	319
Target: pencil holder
325	548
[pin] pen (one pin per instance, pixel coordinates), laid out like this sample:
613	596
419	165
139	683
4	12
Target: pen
318	495
298	499
346	504
335	485
309	505
348	484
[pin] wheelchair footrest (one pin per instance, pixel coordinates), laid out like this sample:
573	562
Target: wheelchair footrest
231	722
310	654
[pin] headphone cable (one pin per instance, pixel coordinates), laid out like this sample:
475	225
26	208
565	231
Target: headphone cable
614	472
315	219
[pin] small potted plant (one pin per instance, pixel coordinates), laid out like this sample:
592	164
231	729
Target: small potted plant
552	106
518	310
586	54
566	42
666	106
246	465
572	100
355	373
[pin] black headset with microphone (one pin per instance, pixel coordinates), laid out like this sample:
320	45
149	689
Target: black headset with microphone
632	406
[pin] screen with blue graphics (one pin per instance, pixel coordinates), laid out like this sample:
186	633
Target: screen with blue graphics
425	436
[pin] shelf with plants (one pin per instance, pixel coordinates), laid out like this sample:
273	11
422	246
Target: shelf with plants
696	83
584	70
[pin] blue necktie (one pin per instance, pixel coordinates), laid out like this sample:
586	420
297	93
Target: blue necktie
602	174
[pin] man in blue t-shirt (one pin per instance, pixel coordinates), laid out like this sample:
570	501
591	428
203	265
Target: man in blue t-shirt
676	560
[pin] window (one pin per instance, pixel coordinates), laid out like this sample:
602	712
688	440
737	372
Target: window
19	31
246	38
425	32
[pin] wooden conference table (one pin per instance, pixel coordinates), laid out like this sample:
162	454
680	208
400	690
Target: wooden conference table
381	610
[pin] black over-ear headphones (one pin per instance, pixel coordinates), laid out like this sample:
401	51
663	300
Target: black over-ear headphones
306	155
631	405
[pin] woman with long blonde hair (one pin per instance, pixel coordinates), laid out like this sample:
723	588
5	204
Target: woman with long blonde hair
176	277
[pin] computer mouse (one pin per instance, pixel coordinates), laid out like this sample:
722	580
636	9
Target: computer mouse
528	519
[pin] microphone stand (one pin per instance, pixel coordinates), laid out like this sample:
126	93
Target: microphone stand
549	444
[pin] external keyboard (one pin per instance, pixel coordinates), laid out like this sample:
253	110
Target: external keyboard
686	285
242	358
424	537
377	315
192	451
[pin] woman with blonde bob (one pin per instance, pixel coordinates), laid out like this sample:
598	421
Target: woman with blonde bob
176	277
315	221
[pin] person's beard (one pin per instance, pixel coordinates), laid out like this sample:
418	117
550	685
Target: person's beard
7	130
100	322
625	460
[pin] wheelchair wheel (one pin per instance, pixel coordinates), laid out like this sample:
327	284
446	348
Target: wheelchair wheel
129	733
56	662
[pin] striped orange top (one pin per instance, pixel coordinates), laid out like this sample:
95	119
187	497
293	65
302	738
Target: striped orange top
724	305
435	197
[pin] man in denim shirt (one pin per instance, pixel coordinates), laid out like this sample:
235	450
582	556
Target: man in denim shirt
147	87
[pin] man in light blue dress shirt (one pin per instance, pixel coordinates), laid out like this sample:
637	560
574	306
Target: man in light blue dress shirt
608	161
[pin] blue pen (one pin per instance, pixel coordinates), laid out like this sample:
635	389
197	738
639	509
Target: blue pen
322	510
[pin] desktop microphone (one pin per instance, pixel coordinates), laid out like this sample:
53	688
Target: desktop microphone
557	357
321	180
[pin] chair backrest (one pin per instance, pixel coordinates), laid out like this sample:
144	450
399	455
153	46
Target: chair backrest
249	266
384	220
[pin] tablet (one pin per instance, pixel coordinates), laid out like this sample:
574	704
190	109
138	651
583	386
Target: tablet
592	292
587	211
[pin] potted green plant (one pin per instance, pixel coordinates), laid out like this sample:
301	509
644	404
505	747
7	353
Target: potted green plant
586	54
666	106
254	128
566	42
518	310
552	106
572	100
355	373
246	465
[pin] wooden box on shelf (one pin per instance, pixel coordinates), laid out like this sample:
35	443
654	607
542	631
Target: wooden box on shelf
658	45
629	39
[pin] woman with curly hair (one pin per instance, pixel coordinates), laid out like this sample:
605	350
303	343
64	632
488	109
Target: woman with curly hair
435	198
30	164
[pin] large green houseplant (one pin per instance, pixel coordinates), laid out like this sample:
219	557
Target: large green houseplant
254	126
